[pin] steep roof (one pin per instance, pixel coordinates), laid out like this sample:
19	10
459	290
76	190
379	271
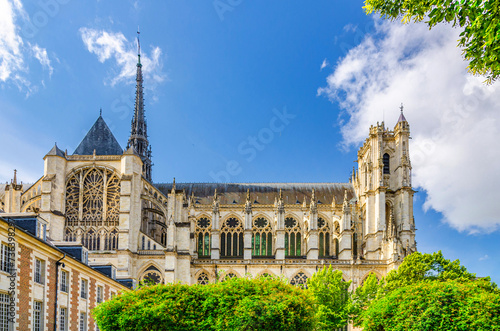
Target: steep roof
56	151
402	118
101	139
263	193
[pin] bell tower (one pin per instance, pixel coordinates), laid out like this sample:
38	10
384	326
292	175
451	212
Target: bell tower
383	187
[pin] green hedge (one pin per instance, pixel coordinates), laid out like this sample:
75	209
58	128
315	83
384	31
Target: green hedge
236	304
436	305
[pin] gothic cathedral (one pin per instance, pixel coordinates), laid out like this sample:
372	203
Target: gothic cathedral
103	198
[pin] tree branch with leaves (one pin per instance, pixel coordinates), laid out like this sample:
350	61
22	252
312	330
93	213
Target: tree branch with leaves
478	19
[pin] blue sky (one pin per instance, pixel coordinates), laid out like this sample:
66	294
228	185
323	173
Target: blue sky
219	74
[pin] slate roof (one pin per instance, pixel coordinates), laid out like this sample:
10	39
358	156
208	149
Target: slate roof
101	139
56	151
263	193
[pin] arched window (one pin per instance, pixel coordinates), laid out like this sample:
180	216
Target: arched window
293	237
152	276
262	238
324	238
163	237
92	200
143	243
70	235
203	278
91	240
355	244
386	159
111	241
202	235
300	279
232	238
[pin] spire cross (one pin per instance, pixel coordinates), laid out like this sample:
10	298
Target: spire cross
401	108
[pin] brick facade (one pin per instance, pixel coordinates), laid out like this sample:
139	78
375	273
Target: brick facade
92	302
24	287
75	295
51	293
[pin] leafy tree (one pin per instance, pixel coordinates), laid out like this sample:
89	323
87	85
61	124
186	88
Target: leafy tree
331	298
479	20
419	267
427	292
236	304
436	305
363	296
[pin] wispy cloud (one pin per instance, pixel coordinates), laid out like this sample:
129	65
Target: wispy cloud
114	46
454	117
41	55
324	64
484	257
14	51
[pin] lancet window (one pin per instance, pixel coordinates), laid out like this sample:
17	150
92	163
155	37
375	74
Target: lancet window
262	238
293	237
203	226
386	159
231	238
111	240
92	205
324	237
163	238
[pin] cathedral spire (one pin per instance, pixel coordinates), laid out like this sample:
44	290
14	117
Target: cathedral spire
139	131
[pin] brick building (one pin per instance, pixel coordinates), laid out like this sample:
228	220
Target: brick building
47	282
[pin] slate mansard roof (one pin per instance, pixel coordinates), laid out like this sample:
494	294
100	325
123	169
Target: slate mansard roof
263	193
101	139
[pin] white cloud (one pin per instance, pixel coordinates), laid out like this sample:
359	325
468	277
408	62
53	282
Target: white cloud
350	28
109	45
324	64
41	55
13	50
10	42
454	117
483	258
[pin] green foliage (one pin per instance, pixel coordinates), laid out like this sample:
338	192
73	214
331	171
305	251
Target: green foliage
479	20
437	305
363	296
264	303
419	267
331	298
427	292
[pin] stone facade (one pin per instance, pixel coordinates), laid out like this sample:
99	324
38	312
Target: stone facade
198	233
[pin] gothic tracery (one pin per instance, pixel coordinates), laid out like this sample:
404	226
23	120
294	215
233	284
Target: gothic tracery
92	208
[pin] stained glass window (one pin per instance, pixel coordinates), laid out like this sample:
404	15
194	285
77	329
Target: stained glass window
232	238
262	238
293	237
